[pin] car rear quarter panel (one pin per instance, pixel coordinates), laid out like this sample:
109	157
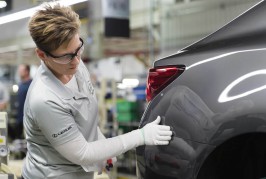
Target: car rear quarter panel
191	106
220	95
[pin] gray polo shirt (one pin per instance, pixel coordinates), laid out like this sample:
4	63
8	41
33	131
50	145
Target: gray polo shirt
54	115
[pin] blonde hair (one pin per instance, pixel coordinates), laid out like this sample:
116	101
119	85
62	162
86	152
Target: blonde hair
53	26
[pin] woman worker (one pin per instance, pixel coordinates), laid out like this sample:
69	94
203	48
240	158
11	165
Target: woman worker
60	112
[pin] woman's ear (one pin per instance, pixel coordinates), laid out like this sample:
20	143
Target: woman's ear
41	54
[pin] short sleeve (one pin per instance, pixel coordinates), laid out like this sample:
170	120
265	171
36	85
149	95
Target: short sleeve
55	122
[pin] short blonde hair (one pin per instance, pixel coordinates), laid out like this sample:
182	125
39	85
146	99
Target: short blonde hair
53	26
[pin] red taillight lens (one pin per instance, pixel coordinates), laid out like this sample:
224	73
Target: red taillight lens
159	78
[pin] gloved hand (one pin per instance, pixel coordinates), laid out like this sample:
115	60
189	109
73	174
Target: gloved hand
155	134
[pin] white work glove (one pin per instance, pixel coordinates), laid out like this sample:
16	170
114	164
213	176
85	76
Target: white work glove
155	134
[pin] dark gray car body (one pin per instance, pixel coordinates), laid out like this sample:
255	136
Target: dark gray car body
217	107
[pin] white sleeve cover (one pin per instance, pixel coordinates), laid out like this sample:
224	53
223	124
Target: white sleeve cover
100	134
84	153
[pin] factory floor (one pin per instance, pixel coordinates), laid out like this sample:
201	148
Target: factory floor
16	166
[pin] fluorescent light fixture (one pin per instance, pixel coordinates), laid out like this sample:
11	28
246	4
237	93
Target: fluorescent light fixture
17	16
71	2
2	4
29	12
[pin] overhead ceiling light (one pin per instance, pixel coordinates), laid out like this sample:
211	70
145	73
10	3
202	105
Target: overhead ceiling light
29	12
2	4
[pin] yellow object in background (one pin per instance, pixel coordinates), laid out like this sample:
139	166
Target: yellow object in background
2	140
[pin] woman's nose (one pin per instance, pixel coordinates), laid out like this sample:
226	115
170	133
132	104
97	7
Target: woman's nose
75	60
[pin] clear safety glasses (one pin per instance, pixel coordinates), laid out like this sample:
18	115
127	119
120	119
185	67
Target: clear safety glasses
67	58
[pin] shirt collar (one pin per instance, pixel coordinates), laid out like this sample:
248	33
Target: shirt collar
54	83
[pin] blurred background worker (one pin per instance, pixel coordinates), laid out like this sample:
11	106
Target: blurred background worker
16	130
24	74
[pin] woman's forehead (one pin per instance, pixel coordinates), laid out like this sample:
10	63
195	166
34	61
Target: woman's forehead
69	47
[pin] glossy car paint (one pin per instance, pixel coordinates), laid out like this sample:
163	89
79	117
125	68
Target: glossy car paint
216	107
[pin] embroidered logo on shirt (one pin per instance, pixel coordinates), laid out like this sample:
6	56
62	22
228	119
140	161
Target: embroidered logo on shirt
90	86
61	132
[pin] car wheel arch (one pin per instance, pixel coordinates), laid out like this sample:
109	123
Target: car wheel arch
235	157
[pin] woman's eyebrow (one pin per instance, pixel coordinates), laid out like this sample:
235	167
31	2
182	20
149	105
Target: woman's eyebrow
72	53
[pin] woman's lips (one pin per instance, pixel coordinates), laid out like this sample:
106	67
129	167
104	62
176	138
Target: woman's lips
73	67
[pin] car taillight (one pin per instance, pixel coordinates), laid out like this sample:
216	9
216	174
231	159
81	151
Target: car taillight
159	78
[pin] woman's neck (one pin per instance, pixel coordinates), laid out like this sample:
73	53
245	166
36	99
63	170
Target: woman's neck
63	78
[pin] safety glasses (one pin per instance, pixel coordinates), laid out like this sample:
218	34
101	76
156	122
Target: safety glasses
67	58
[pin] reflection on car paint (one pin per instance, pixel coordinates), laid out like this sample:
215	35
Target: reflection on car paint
222	56
224	95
